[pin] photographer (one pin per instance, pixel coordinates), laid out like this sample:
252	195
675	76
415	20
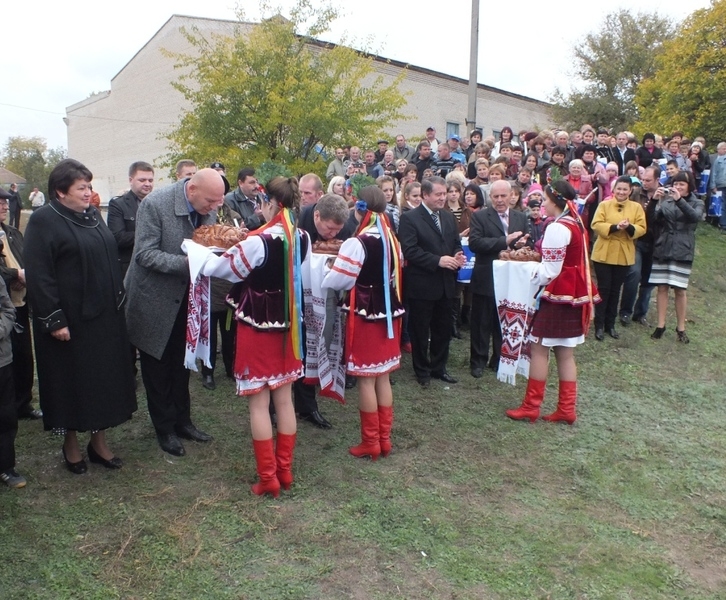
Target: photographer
676	216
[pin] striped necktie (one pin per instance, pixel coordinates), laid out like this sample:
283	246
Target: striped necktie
435	215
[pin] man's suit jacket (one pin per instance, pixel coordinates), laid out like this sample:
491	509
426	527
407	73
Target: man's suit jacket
122	223
487	239
623	160
157	281
423	245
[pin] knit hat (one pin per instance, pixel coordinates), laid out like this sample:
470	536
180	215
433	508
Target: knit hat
535	188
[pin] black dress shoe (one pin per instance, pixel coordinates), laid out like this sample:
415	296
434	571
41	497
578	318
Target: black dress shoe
95	457
190	432
444	377
171	444
625	320
477	372
315	418
493	365
424	382
31	413
613	333
208	382
77	468
599	334
350	382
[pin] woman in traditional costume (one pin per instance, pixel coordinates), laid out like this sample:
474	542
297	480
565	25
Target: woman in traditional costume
565	305
77	296
268	309
369	265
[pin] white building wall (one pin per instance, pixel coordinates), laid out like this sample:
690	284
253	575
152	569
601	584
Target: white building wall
111	130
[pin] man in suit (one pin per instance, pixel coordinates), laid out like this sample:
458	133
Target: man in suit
492	230
245	200
122	210
621	153
15	206
326	219
431	246
157	285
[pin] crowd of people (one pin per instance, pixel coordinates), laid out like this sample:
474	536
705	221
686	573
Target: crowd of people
129	293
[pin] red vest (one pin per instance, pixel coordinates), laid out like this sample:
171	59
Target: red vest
571	286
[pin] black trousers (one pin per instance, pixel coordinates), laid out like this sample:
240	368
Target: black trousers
610	279
228	337
484	325
167	380
23	367
8	419
304	396
430	319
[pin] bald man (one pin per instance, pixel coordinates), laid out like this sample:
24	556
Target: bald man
492	230
157	286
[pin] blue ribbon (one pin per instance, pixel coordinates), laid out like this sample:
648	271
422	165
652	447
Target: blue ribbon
297	277
386	275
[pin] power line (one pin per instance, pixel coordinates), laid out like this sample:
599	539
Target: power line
51	112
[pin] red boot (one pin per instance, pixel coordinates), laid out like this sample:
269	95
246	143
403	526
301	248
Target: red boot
385	422
565	403
266	468
283	453
370	445
532	399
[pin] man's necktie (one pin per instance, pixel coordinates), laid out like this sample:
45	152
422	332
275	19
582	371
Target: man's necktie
435	215
505	221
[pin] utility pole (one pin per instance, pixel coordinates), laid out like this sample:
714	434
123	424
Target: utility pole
473	64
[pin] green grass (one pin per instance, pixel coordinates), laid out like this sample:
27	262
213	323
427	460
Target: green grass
628	503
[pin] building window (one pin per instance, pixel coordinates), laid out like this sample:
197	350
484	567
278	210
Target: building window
451	129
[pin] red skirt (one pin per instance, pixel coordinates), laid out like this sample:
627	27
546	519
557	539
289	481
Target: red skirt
369	351
556	320
264	359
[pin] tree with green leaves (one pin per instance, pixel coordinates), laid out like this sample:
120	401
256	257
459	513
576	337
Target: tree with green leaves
30	158
277	94
688	91
612	62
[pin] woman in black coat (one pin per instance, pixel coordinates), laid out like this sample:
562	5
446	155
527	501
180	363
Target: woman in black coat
85	377
648	152
677	215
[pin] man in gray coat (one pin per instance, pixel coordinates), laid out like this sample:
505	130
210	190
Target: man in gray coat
157	287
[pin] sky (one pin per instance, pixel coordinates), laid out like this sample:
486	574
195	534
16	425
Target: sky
55	54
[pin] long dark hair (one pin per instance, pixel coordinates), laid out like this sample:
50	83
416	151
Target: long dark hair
473	187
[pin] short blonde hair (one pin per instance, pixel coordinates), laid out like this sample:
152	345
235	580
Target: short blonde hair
456	177
498	168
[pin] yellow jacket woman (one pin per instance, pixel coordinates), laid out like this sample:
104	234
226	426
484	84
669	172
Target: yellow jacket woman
617	223
615	246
